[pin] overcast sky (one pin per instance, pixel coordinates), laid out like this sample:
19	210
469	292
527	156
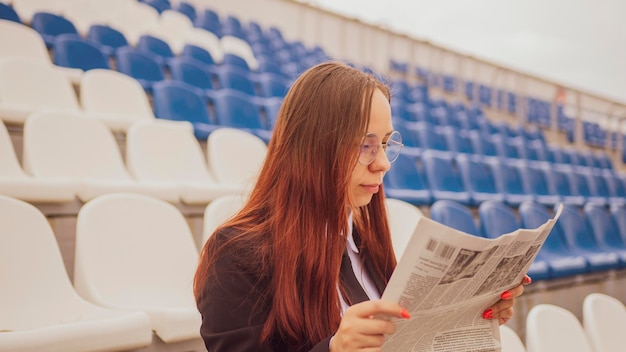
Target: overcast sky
579	43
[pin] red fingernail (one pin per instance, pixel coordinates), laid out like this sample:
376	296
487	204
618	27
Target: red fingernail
506	295
405	314
488	314
527	280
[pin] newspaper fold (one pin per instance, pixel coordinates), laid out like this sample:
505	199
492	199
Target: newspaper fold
446	279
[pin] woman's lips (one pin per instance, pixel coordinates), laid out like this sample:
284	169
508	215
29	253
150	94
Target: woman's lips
371	188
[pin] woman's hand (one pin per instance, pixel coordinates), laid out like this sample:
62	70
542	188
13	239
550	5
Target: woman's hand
359	330
503	310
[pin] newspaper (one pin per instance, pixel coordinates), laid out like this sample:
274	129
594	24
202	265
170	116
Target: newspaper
446	279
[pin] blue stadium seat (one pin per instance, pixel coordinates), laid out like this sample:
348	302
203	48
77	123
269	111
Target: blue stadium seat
506	147
157	47
50	25
579	185
478	179
509	182
267	63
239	110
8	13
210	21
254	32
186	9
174	100
497	219
558	183
599	187
579	238
536	150
482	144
615	185
554	252
159	5
108	38
405	181
236	61
271	107
197	53
192	72
443	178
457	140
234	78
455	215
605	230
271	85
430	139
74	52
232	26
142	66
534	182
618	212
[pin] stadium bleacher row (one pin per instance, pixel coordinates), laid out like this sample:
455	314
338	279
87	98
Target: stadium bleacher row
131	109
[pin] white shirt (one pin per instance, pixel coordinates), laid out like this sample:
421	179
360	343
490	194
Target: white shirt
359	271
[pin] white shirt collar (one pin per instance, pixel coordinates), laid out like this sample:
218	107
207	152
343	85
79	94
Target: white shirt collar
351	243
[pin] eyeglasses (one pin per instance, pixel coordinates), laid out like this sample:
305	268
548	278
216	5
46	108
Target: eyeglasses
370	146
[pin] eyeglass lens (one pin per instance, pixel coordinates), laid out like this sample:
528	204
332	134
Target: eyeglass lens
370	146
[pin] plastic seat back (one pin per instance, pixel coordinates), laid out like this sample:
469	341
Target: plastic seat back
179	160
496	219
511	342
155	46
197	53
36	85
455	215
112	234
403	218
179	101
139	65
604	318
605	230
18	40
477	176
191	72
405	175
59	144
233	78
218	211
225	145
552	328
237	110
32	264
109	38
112	92
619	215
8	13
441	173
50	25
576	229
210	21
71	51
272	85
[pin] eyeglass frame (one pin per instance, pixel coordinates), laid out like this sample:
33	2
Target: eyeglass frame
378	147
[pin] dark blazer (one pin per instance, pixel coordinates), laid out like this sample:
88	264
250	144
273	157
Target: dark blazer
235	306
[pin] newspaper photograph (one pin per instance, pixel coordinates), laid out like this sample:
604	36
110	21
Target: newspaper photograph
446	279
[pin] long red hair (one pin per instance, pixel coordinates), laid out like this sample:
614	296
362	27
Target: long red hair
296	216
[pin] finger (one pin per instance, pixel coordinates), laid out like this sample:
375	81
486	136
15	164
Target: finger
527	280
512	293
375	326
368	309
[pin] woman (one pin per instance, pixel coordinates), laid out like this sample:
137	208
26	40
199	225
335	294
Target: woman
280	275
